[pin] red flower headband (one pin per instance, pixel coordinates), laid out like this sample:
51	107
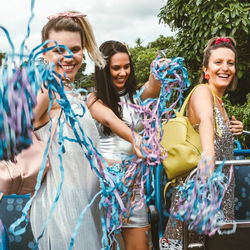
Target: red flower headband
222	40
66	14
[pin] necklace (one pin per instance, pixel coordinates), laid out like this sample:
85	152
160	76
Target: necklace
121	92
218	98
73	91
67	84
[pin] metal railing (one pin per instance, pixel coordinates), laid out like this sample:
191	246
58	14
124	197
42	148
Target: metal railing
217	163
234	162
246	132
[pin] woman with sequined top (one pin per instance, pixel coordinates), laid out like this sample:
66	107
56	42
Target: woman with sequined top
218	74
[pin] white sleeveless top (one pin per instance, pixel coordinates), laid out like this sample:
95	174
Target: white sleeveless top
113	146
79	187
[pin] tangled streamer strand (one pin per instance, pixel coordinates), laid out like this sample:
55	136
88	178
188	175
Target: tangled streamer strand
118	183
131	175
201	198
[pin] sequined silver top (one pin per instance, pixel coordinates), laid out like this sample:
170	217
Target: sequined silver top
224	149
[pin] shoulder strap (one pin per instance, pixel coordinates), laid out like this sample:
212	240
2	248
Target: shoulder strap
215	122
54	126
188	97
182	110
173	181
212	94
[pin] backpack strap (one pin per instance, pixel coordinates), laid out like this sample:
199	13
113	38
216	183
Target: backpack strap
183	108
172	182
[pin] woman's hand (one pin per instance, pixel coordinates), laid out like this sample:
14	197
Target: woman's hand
236	127
153	86
206	166
137	144
165	62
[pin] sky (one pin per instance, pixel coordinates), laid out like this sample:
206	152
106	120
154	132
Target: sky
122	20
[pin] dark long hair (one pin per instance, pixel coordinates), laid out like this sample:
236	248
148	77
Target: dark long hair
105	89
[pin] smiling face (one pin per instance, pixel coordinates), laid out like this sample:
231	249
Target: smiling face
64	65
221	69
119	69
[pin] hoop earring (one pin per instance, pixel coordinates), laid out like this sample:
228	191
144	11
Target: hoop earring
207	76
46	62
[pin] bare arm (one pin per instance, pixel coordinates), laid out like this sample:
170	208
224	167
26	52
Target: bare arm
41	107
201	112
41	116
152	88
107	117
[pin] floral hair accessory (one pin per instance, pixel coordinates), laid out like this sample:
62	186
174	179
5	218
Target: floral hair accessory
66	14
222	40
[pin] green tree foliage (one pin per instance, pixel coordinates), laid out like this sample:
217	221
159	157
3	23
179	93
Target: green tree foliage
2	56
83	80
196	21
163	43
80	75
87	82
143	56
242	113
139	42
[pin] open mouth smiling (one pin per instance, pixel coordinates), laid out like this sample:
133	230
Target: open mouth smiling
67	67
224	76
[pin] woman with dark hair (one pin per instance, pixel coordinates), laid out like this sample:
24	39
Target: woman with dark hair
80	184
218	74
115	86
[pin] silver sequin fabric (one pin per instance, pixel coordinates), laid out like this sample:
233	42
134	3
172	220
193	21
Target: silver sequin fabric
224	149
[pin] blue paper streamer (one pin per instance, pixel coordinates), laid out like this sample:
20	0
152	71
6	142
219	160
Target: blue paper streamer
115	181
201	198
